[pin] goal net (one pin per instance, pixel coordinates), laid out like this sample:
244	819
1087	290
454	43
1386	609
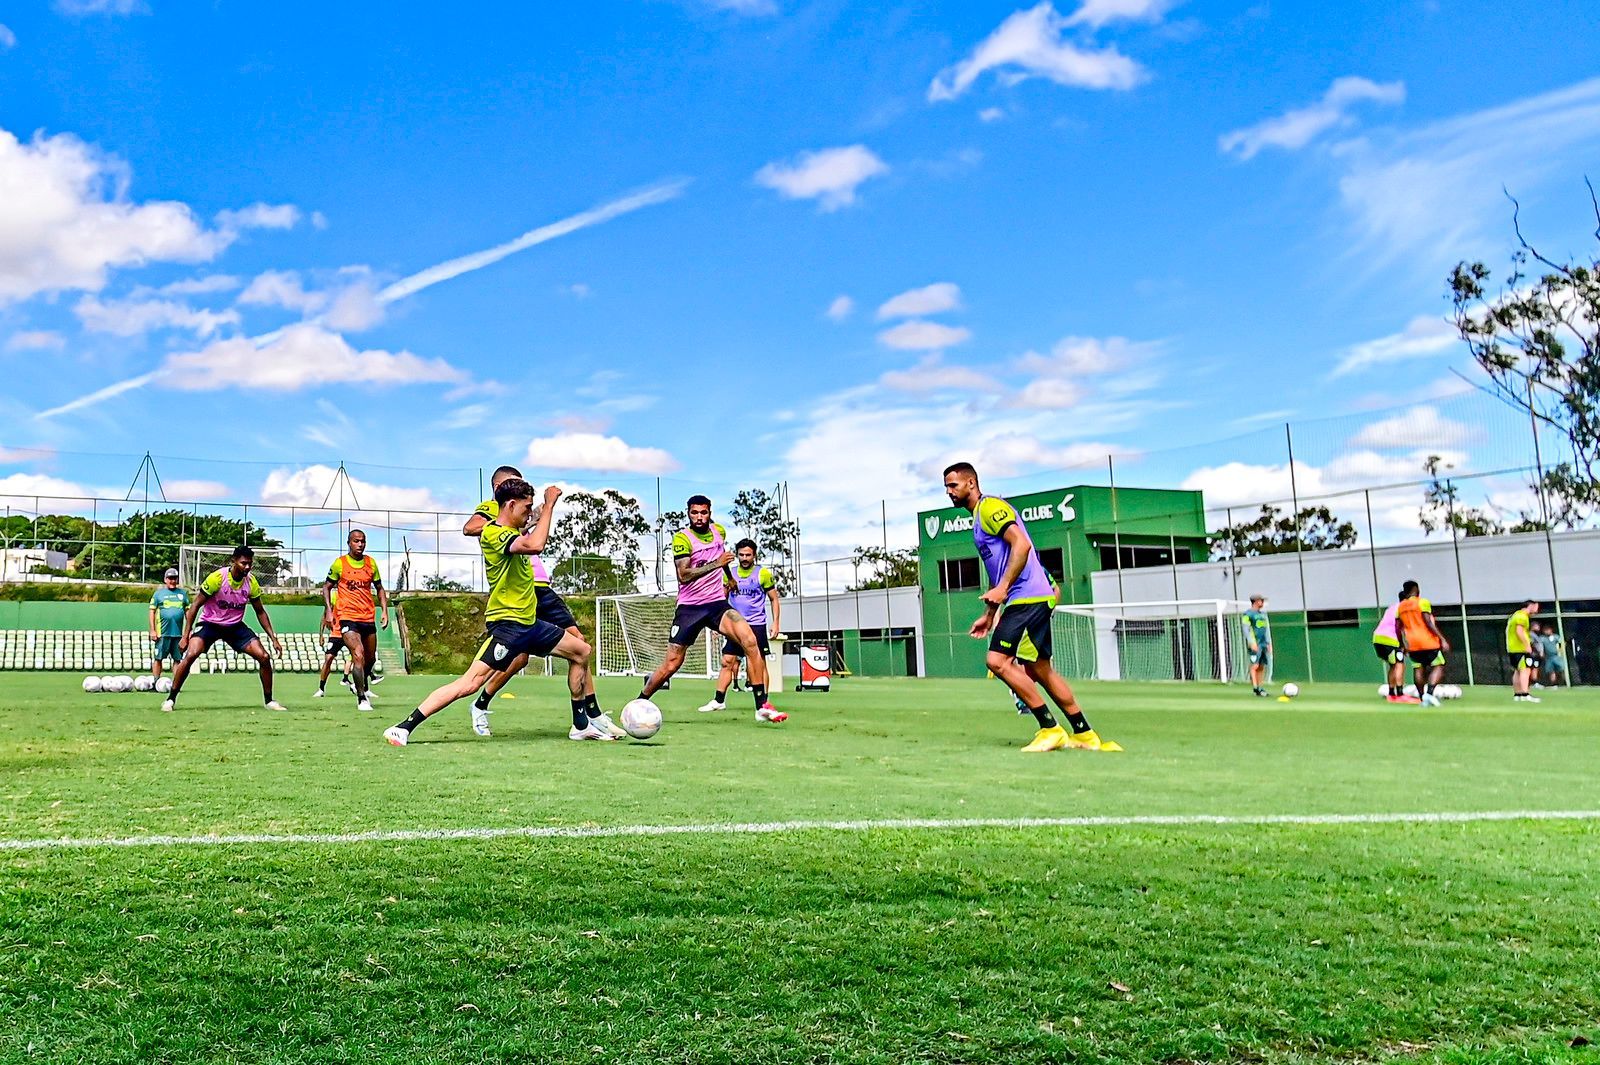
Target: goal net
631	638
276	569
1180	639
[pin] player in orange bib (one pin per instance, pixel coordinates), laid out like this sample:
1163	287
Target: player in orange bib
354	576
1422	641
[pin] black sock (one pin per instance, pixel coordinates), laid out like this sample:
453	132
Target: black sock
482	701
580	714
413	721
1079	723
760	693
722	696
322	685
1042	715
591	706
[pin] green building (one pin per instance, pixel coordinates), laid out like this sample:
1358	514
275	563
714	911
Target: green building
1077	531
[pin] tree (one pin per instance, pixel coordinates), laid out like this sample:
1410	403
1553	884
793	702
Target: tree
1274	533
438	582
760	515
1442	509
1538	341
139	546
594	546
895	568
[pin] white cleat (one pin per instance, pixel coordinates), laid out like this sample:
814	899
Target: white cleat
364	706
1431	699
712	707
318	694
480	721
771	713
604	722
273	704
396	735
591	731
168	706
1526	699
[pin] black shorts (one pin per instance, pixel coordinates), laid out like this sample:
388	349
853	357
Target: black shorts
1391	655
237	636
1023	632
360	628
508	639
554	609
1522	660
689	621
729	647
335	645
1427	657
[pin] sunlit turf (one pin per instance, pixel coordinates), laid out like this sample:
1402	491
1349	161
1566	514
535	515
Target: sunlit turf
1445	943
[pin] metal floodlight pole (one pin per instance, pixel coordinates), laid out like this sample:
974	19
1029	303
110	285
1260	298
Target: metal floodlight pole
1544	514
1372	550
1299	553
1461	590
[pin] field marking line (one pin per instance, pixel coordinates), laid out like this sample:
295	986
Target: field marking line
762	828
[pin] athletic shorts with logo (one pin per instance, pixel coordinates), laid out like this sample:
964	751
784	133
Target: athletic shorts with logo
168	647
1522	660
1390	653
554	609
508	639
1262	657
731	648
335	645
360	628
1023	631
1429	657
237	636
691	619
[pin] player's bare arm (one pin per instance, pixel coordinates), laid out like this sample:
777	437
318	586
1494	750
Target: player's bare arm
688	573
533	541
474	526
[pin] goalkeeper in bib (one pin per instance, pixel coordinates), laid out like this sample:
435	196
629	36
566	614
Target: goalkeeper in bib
220	607
753	591
701	556
1016	615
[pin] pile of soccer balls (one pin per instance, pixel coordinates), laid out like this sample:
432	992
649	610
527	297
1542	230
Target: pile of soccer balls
144	682
1443	691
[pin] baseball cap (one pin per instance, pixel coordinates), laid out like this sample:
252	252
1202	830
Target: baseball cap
170	573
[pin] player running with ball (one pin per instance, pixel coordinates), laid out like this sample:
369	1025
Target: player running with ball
1016	615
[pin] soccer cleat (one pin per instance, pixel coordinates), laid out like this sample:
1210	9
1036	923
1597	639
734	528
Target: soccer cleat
370	696
768	712
1526	698
591	731
1091	741
396	735
480	721
604	722
712	707
1431	699
273	704
168	706
1260	693
364	706
1048	739
318	694
1022	707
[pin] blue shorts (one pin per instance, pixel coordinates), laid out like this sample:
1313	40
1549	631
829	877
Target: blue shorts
167	647
1262	657
508	639
553	608
237	636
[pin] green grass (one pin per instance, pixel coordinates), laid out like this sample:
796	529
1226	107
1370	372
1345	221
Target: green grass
1426	942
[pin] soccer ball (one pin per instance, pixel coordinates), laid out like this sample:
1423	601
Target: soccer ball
377	666
641	719
124	683
91	684
163	685
1383	689
108	683
1291	690
144	682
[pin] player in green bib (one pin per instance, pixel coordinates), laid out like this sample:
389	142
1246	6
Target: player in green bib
1519	650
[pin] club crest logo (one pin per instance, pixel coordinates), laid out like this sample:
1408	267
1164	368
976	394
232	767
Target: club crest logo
499	652
931	524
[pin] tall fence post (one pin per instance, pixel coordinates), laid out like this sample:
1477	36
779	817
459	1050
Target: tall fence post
1461	589
1544	515
1299	554
1372	550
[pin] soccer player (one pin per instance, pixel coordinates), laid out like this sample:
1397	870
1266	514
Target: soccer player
753	591
1016	615
331	652
700	554
1386	641
552	608
1553	664
511	616
220	607
354	576
1258	639
1519	649
168	604
1422	641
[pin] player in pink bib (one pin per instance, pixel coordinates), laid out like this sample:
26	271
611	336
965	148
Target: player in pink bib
220	604
701	556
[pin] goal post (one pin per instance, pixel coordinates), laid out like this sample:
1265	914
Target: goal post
276	569
631	633
1177	639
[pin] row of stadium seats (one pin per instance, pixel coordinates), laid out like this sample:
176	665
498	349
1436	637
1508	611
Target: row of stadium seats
83	651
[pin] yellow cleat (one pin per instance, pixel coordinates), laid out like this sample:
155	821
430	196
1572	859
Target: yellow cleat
1091	741
1048	739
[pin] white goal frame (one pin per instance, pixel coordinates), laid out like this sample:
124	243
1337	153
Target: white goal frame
196	562
631	633
1165	639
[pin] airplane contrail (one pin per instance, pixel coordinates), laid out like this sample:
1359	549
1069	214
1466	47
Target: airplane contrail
450	268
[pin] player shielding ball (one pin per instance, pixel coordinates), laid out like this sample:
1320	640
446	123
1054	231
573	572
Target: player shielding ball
1386	642
1016	615
349	610
1423	642
220	607
701	556
753	591
511	615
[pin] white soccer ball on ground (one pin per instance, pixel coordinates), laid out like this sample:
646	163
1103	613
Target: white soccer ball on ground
144	682
124	683
108	683
1411	690
91	684
641	719
1383	690
377	666
1291	690
163	684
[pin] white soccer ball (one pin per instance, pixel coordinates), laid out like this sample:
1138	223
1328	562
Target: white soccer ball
1448	691
108	683
91	684
1383	690
144	682
1411	690
124	683
641	719
377	666
1291	690
163	685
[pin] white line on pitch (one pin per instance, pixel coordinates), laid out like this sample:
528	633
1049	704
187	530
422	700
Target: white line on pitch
762	828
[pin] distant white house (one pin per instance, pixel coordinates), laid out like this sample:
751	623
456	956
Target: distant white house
17	562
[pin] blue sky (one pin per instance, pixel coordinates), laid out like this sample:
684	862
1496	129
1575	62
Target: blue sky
876	237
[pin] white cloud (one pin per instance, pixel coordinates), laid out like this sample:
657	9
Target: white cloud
7	38
126	318
592	451
260	216
1422	337
932	375
829	176
917	335
38	484
16	456
66	220
1010	454
1420	427
1295	129
930	299
1029	44
102	7
1048	393
195	491
319	220
577	290
1097	13
840	308
283	288
309	485
1081	356
991	114
302	356
194	286
471	416
745	7
36	340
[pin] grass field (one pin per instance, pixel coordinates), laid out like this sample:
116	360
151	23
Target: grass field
1296	942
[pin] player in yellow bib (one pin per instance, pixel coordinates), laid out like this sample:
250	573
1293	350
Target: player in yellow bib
1519	650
